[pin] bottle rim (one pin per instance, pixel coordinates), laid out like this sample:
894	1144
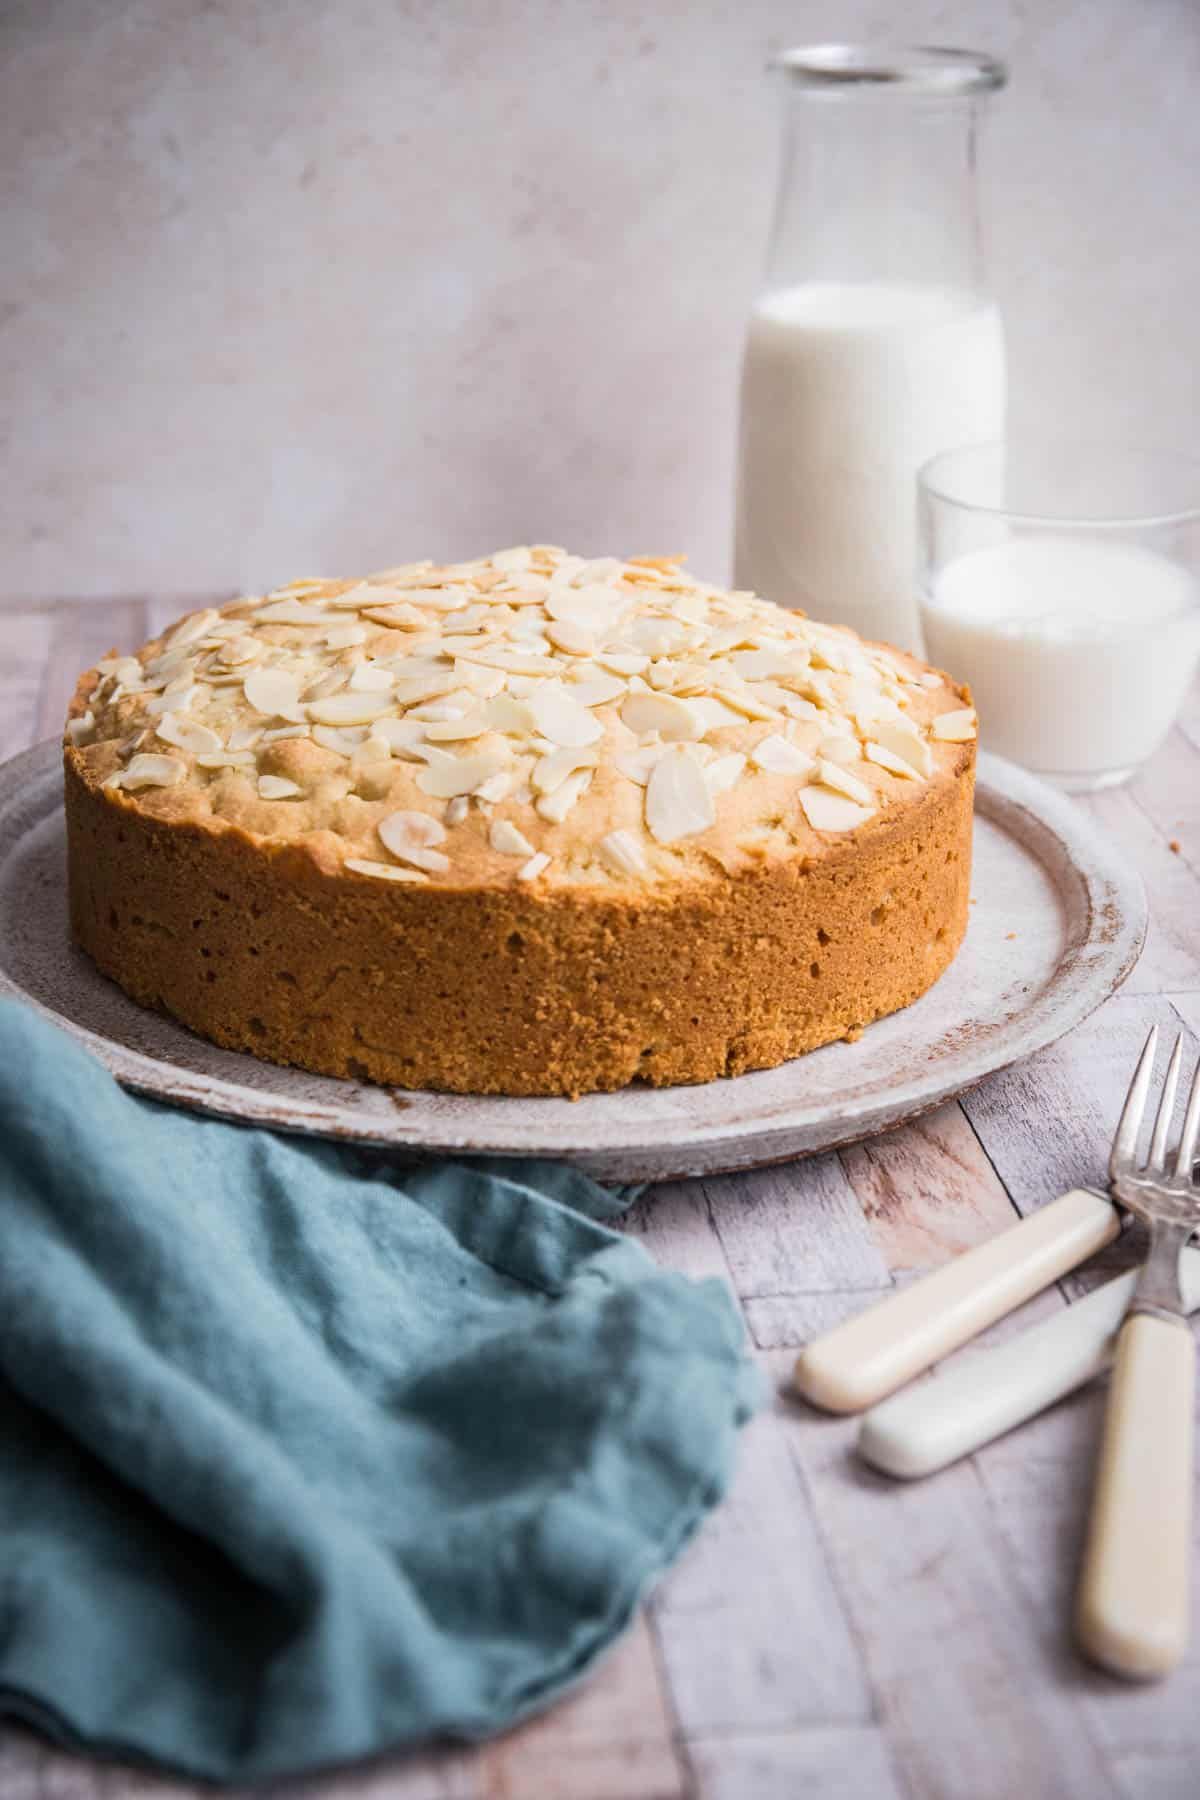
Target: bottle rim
928	69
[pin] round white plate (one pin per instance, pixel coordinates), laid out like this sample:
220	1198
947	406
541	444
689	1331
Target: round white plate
1057	922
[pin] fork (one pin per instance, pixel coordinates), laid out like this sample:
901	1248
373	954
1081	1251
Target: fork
1133	1606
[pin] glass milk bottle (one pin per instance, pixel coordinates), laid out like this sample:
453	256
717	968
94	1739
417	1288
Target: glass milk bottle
874	343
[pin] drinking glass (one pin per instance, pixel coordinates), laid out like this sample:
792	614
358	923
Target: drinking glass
1061	581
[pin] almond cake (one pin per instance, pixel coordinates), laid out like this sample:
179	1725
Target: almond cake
529	824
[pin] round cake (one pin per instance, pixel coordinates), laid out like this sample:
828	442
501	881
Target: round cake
530	824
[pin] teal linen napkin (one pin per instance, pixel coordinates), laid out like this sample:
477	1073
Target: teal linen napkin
303	1455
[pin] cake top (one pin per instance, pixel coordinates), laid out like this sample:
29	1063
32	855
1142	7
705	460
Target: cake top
527	716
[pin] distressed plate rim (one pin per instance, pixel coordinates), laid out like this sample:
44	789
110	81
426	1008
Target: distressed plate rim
1103	903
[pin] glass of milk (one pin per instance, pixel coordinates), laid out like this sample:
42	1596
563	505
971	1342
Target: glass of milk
1063	583
874	342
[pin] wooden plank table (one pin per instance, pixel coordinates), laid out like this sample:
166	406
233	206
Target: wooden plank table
830	1633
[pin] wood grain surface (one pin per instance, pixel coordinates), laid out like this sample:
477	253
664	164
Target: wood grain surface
830	1634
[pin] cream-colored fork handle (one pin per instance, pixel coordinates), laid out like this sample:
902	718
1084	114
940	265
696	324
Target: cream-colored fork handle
871	1355
1133	1609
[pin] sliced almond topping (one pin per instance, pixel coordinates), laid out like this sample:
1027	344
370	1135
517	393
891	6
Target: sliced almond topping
832	775
837	748
777	757
623	662
826	811
745	702
189	630
636	765
497	787
557	805
275	692
725	772
678	801
237	650
344	742
371	678
887	759
448	731
714	715
362	865
508	841
246	736
903	739
186	734
597	689
277	787
150	770
457	809
534	867
80	729
562	719
293	612
550	771
519	557
505	713
349	709
345	637
451	775
622	853
411	837
955	727
226	759
403	735
567	636
673	720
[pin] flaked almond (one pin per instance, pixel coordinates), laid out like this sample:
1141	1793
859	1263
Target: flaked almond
827	811
403	735
277	787
451	775
673	720
237	650
186	734
597	689
534	867
956	727
550	771
345	637
189	630
887	759
622	853
561	719
573	639
371	678
508	841
226	759
557	805
833	775
80	730
149	770
725	772
777	757
363	865
274	692
903	739
519	557
678	801
412	837
349	709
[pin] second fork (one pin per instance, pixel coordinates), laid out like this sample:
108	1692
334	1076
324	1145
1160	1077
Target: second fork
1133	1607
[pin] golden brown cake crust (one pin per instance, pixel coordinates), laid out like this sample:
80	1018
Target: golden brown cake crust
748	941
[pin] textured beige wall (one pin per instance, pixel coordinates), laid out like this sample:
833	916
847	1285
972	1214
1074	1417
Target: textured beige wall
290	285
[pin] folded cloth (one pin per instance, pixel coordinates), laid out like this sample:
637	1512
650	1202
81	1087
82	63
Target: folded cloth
304	1455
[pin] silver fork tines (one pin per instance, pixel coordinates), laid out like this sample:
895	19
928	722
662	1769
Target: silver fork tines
1161	1189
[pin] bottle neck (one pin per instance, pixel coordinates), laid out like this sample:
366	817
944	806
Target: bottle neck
878	187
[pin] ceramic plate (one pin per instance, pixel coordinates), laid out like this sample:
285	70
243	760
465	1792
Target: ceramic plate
1057	922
